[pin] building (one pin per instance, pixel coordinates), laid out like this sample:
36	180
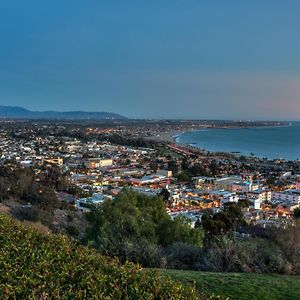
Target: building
95	163
241	186
165	173
211	183
84	204
287	196
54	161
262	195
256	203
226	196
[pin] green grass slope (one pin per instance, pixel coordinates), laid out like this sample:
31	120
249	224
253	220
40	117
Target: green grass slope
34	265
242	286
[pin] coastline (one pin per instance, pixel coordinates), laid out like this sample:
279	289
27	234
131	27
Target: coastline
172	137
167	137
274	154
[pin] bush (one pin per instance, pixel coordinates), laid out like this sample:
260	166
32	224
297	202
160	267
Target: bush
183	256
289	242
134	226
72	231
144	253
33	214
38	266
252	255
222	255
27	214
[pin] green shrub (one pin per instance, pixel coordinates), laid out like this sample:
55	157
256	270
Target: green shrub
183	256
134	227
39	266
72	230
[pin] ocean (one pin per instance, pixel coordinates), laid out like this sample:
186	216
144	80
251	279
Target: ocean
271	142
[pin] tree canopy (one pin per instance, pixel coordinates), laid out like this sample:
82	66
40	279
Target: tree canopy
135	221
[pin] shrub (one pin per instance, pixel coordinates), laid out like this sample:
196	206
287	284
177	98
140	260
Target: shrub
252	255
222	255
38	266
289	242
183	256
133	224
72	230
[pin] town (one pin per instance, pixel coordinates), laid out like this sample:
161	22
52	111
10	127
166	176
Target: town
96	161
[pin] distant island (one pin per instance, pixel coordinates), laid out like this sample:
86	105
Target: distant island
16	112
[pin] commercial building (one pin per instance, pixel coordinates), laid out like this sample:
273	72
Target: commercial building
287	196
95	163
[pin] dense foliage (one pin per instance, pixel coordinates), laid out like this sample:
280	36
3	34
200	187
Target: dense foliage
224	221
128	141
30	193
38	266
137	227
20	184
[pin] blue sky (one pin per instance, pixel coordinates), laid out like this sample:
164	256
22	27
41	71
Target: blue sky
157	59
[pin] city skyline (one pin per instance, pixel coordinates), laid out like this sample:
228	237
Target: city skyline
153	60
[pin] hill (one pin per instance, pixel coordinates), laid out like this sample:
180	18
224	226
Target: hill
15	112
241	286
35	265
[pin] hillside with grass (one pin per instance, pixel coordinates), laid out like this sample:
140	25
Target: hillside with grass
241	286
36	265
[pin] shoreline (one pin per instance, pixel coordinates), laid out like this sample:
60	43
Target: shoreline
171	137
167	137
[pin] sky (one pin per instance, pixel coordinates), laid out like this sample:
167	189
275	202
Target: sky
196	59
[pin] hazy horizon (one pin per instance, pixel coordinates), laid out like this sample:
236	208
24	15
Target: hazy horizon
158	59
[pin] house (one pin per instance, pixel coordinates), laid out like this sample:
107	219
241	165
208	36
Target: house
84	204
95	163
54	161
288	196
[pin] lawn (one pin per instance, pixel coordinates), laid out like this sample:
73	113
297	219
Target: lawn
241	285
164	151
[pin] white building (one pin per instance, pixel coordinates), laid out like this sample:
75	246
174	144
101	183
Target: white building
84	204
256	203
287	196
165	173
262	195
241	187
94	163
229	197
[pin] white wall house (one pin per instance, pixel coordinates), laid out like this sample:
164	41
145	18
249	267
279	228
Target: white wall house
84	204
288	196
262	195
229	197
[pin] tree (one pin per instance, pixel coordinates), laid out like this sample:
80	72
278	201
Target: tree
244	203
4	188
214	167
223	221
183	177
165	194
271	180
197	170
179	230
172	166
153	166
184	164
297	213
41	196
133	224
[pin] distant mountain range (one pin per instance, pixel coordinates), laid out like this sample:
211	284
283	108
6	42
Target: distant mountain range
15	112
